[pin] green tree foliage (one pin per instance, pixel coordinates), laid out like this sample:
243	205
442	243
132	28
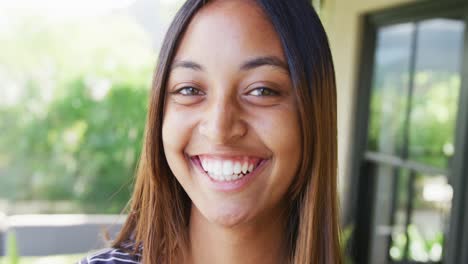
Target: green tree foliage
431	122
73	130
12	253
83	150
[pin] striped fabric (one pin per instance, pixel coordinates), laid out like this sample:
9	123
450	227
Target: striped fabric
112	256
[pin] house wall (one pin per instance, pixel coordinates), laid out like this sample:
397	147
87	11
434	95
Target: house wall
342	20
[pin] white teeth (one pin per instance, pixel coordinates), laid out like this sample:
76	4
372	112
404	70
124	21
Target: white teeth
232	177
227	167
245	166
228	177
216	167
226	170
251	167
237	168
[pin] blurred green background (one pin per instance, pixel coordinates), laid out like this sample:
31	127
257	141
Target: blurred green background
72	113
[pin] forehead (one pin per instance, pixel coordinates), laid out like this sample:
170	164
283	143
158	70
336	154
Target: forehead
229	31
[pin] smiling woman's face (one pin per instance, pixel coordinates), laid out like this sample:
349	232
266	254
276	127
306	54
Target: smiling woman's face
231	131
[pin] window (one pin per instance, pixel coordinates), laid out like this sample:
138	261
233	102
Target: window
411	128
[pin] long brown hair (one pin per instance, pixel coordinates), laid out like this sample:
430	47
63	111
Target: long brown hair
160	208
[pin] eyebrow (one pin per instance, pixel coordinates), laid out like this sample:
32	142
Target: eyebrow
188	65
264	61
246	66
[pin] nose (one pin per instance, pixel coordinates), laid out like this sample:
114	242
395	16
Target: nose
221	122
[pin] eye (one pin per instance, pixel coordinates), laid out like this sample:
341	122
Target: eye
187	95
189	91
263	91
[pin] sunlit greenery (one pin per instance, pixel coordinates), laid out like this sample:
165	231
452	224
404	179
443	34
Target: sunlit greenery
12	250
73	110
419	248
432	118
430	132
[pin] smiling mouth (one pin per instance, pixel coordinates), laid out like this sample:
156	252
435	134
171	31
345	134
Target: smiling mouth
227	170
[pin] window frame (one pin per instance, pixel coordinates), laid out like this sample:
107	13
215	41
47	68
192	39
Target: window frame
359	209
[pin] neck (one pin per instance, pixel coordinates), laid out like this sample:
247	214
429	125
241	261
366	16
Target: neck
259	242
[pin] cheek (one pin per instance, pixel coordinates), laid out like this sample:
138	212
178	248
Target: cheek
169	138
282	134
175	137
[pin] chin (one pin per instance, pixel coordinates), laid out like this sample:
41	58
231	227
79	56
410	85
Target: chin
227	216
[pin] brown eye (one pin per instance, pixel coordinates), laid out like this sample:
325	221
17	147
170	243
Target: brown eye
187	95
263	91
189	91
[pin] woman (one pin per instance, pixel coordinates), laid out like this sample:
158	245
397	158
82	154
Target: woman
240	155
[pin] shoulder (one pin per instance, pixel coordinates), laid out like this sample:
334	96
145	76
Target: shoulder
111	256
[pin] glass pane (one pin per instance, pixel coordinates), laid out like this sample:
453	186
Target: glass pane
422	236
436	88
389	217
399	240
410	217
390	88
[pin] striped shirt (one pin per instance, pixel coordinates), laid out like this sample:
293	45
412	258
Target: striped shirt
113	256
